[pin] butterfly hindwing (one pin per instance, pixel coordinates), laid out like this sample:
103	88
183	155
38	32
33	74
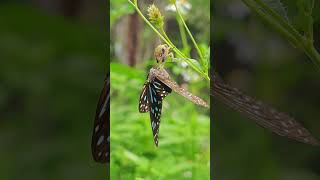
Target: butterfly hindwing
100	144
162	89
155	111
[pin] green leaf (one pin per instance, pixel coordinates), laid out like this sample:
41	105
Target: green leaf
206	57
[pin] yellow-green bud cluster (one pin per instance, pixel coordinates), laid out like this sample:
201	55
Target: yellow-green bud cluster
155	16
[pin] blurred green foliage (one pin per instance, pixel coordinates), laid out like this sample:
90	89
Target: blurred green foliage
183	151
51	74
253	57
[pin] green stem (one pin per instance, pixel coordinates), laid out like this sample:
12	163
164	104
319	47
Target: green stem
188	31
310	28
183	35
310	22
313	54
165	35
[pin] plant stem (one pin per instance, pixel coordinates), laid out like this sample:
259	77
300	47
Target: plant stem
165	35
310	22
188	31
313	55
183	35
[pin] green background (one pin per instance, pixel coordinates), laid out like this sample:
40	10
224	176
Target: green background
252	57
52	69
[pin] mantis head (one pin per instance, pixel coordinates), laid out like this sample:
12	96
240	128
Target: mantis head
161	52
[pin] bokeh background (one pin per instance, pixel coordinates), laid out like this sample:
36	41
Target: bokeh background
251	56
184	137
53	60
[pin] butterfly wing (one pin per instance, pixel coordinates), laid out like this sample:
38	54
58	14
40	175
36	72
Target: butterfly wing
264	115
143	102
161	89
156	92
100	144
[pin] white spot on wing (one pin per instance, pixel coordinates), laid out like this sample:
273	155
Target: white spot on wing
97	128
100	140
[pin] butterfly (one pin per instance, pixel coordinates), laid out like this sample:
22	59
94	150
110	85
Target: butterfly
100	144
153	92
261	113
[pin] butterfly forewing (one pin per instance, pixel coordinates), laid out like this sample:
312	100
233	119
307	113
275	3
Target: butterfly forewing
100	144
264	115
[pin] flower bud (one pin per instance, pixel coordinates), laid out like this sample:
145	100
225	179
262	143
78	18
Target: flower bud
155	16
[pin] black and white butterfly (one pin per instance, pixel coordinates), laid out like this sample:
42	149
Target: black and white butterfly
100	144
153	92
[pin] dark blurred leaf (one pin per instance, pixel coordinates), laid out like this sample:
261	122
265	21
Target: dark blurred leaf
51	73
305	8
278	7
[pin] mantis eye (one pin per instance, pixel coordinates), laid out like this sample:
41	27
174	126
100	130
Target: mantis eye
163	50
